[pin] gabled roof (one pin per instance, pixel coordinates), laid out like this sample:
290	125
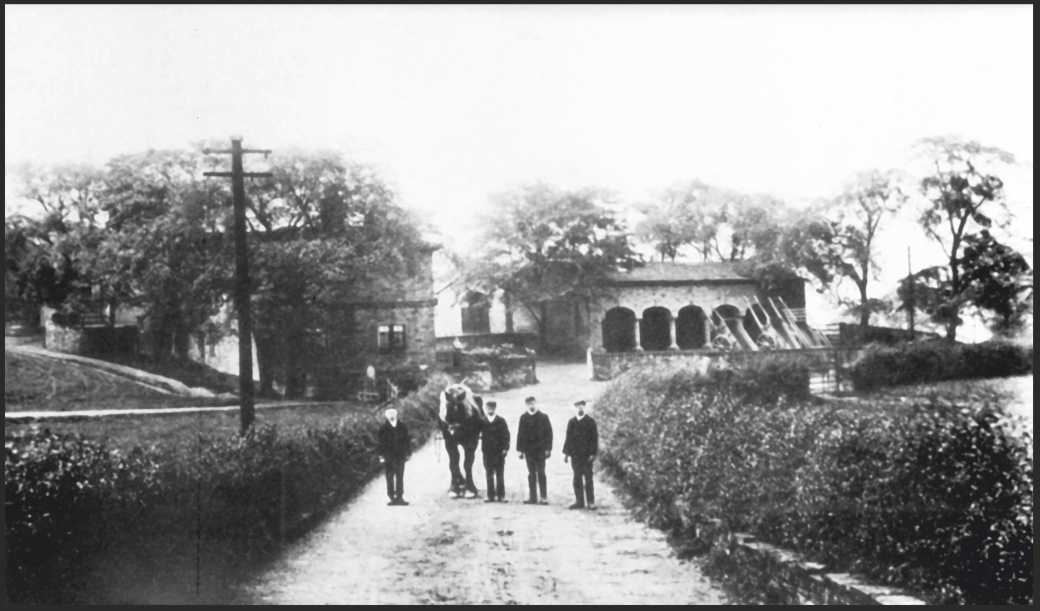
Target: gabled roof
680	273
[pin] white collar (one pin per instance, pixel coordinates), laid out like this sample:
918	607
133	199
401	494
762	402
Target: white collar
492	417
392	423
580	416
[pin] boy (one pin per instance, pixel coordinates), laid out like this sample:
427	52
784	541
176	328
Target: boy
495	445
580	446
395	447
534	443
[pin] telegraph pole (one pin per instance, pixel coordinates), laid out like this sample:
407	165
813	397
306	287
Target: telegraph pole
910	304
245	320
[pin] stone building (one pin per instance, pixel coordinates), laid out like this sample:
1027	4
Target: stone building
388	326
671	309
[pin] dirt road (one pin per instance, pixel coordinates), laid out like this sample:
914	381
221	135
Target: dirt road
444	550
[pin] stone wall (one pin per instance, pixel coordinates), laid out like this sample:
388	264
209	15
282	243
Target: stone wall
774	575
495	374
609	365
483	340
89	340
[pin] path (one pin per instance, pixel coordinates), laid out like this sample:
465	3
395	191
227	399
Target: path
30	415
443	550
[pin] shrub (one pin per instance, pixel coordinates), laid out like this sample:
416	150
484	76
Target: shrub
929	361
70	499
933	496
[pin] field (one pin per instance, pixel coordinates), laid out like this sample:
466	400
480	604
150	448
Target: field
125	432
1014	393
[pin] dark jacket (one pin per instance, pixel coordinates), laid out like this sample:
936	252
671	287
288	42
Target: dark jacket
534	434
394	442
494	436
582	437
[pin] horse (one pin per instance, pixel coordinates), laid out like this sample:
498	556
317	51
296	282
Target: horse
459	418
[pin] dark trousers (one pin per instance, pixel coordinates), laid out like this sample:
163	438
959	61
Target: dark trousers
536	474
395	479
494	467
583	489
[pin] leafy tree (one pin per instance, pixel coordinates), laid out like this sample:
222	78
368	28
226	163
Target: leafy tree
542	243
721	224
964	197
850	229
45	251
999	281
164	247
324	228
683	215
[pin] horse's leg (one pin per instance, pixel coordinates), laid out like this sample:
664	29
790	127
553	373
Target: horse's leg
471	452
453	463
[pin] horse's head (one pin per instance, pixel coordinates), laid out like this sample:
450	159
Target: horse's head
458	405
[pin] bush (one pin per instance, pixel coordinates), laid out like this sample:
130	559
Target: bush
931	361
932	496
70	500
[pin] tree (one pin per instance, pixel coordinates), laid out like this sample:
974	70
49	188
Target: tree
46	250
857	215
542	243
998	280
721	224
683	215
323	228
964	197
164	247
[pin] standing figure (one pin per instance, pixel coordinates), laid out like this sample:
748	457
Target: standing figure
395	448
580	446
534	443
495	445
460	418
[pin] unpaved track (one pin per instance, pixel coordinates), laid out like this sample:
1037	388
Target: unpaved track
444	550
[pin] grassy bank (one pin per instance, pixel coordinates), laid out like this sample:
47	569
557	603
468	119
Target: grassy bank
33	382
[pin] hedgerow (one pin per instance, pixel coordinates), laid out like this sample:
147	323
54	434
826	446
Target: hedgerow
70	500
936	360
933	495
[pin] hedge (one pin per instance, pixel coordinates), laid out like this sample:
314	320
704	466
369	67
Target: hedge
932	361
73	506
933	496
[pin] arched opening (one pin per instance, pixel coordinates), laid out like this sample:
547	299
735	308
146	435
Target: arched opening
725	320
689	328
619	330
475	307
654	328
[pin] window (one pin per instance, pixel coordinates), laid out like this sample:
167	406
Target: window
475	317
391	338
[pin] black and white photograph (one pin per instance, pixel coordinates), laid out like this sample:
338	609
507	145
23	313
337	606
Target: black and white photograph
440	304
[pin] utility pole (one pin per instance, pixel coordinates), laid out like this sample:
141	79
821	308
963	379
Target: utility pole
245	319
910	300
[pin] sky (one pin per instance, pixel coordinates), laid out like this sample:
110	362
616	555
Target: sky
454	103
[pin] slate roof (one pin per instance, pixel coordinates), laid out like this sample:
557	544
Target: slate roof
680	273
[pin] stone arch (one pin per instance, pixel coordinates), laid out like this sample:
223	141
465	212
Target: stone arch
655	328
731	316
690	330
619	330
475	308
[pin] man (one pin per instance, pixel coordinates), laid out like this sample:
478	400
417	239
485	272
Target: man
580	446
534	443
495	445
395	448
